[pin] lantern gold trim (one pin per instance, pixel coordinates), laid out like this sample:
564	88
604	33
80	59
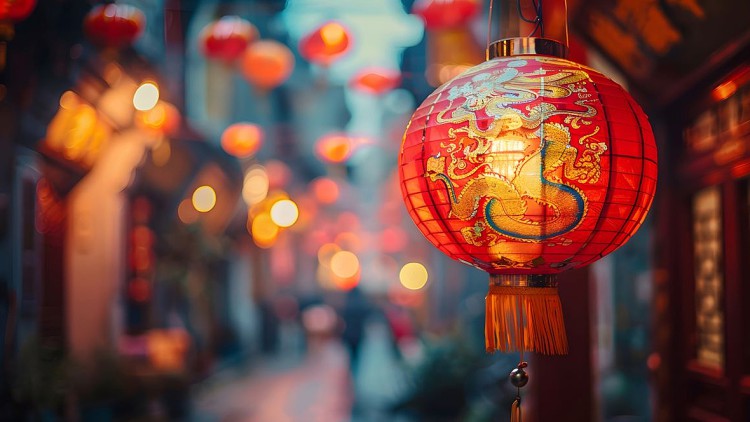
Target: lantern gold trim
520	46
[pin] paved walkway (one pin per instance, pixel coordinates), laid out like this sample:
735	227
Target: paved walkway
316	388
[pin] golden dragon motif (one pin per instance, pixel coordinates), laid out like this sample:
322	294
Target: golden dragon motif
506	190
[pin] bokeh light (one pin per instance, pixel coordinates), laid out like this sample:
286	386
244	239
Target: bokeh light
326	190
284	213
413	276
344	264
334	148
255	185
204	199
242	140
146	96
264	230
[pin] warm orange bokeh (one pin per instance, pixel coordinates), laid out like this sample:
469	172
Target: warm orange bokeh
267	64
326	190
163	118
334	148
376	80
242	139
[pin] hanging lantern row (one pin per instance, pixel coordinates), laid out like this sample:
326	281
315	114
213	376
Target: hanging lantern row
114	25
267	64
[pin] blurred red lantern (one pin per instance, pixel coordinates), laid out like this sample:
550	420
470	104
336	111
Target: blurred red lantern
526	166
267	64
376	80
325	44
334	148
114	25
242	139
16	10
227	38
440	14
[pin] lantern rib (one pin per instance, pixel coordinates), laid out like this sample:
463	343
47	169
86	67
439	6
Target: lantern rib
430	191
440	221
640	186
607	198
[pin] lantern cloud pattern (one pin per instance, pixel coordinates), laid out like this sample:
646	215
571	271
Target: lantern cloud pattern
524	167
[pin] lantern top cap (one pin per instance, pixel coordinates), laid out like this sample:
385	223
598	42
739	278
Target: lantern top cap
509	47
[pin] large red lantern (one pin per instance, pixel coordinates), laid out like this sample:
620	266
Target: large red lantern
16	10
525	166
441	14
325	44
267	64
114	25
227	38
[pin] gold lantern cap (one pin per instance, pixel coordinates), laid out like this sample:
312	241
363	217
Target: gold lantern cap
520	46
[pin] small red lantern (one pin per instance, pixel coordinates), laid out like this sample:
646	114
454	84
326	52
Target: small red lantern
441	14
326	44
227	38
376	80
114	25
525	166
242	140
16	10
334	148
267	64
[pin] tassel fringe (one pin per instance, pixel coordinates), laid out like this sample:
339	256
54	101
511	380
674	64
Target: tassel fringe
524	319
515	411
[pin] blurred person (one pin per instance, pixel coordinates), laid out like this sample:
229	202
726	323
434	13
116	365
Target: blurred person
355	312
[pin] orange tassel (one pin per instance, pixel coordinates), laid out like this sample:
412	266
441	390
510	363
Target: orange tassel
515	411
524	319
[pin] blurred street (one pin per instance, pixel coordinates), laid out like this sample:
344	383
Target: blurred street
316	386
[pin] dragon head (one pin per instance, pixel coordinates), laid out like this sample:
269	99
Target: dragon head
435	166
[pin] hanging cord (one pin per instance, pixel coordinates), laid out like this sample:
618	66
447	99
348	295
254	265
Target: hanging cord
489	32
538	20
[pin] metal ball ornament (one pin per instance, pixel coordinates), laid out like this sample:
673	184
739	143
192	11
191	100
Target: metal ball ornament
519	377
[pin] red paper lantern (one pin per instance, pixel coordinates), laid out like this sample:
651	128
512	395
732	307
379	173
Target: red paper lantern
376	80
334	148
267	64
227	38
242	139
114	25
523	167
326	44
16	10
440	14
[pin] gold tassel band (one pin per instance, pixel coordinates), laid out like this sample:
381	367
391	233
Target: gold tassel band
524	318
